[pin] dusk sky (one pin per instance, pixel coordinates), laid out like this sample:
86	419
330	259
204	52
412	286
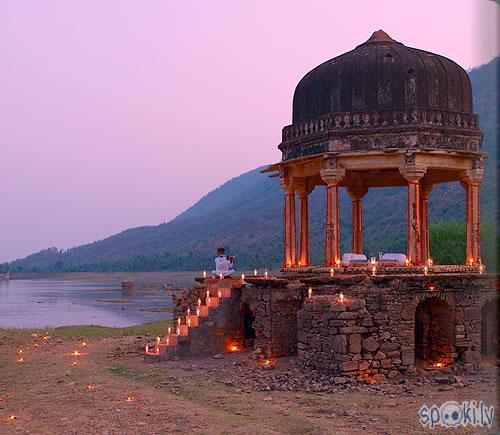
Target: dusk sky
118	114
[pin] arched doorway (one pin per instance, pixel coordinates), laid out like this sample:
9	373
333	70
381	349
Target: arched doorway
434	344
489	329
247	330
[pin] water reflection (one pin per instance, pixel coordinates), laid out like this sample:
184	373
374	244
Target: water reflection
40	303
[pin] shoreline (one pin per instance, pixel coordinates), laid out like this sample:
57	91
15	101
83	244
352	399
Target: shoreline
105	276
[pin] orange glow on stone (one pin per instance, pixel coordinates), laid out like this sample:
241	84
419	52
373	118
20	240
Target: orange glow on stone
129	399
10	417
21	360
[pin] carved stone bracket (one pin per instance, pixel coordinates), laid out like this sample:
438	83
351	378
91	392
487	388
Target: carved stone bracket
472	176
413	173
356	190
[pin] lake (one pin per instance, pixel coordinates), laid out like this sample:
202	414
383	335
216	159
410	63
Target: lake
52	302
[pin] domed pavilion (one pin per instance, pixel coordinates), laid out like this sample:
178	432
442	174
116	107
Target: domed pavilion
381	115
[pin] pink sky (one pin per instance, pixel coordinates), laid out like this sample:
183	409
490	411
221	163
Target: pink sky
122	113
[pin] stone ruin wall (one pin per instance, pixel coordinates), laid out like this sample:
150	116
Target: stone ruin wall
372	332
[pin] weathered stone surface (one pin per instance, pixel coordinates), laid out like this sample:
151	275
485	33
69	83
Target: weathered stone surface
370	344
355	343
349	366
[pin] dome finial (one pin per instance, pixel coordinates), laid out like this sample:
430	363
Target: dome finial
380	36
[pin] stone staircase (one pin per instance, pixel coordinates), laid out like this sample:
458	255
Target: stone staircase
217	292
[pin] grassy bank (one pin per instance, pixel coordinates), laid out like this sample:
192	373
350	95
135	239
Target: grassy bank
93	331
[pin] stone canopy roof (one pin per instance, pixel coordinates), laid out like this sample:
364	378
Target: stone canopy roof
382	74
382	95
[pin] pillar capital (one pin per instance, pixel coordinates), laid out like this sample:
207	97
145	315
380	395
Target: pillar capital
425	190
472	176
413	173
332	175
303	187
356	190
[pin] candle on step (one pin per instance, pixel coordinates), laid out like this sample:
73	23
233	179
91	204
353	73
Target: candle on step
332	271
243	278
266	275
255	272
341	297
221	276
426	270
182	330
192	320
204	274
374	270
310	292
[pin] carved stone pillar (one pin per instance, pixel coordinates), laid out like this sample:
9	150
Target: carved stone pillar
357	192
332	177
471	181
290	230
413	175
303	192
426	190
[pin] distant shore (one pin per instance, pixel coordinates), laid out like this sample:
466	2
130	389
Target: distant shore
162	276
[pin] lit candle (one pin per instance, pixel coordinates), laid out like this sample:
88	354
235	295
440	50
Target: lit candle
255	272
299	263
243	278
147	348
204	274
157	340
84	344
129	399
426	270
373	261
374	270
266	274
481	267
189	322
337	262
188	311
407	262
331	271
310	292
341	297
169	329
20	360
221	276
430	262
289	264
178	320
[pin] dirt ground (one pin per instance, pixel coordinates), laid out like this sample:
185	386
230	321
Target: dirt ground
46	394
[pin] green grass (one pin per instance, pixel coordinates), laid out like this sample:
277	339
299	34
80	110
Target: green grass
158	309
90	331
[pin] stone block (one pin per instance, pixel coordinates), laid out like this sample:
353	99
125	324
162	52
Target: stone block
370	344
349	366
364	365
355	343
339	344
353	330
379	356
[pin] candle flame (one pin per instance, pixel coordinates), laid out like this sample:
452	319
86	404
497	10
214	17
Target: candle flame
89	387
219	293
310	292
10	418
204	274
20	360
242	277
74	363
407	262
129	399
266	274
169	329
188	311
341	297
426	270
179	321
255	272
84	343
331	271
189	322
221	276
76	353
178	331
157	339
374	270
147	348
199	302
197	311
168	341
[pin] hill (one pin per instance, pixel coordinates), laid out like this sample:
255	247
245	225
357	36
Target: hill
245	215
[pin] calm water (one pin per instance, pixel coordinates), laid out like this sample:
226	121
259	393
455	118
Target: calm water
40	303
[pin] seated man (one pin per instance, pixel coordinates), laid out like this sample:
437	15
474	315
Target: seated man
223	264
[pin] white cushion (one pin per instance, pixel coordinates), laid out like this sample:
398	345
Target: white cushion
394	258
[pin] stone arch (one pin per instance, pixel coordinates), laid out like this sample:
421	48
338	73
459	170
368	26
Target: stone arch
246	321
489	328
434	332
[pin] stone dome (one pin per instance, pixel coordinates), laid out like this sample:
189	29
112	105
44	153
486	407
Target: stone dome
382	74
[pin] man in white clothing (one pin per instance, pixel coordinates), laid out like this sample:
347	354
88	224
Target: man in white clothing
223	264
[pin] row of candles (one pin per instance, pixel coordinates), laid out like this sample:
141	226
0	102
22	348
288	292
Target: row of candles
310	294
191	321
255	273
